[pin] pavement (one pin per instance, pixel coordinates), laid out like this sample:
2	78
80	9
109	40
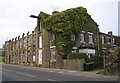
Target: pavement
91	74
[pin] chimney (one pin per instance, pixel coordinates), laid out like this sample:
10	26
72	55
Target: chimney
110	33
27	33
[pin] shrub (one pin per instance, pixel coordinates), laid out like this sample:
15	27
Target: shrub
78	56
98	61
113	61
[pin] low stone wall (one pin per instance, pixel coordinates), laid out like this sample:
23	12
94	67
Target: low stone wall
74	64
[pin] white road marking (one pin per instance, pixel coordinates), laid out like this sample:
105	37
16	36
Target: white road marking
72	71
25	74
50	71
6	70
51	80
60	72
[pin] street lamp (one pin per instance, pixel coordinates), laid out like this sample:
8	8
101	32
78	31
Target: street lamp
38	20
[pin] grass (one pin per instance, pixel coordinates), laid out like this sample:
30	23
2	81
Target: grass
103	72
106	73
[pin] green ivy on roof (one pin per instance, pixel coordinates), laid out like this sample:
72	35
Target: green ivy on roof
73	19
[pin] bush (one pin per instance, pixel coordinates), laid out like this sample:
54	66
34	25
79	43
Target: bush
98	61
78	56
113	61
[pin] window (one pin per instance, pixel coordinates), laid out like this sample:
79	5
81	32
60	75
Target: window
109	40
90	39
24	42
114	41
13	46
34	39
20	43
16	44
74	49
53	36
52	39
103	39
40	40
72	37
34	53
28	57
82	39
29	41
53	53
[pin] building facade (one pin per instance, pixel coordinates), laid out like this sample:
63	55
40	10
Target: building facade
39	48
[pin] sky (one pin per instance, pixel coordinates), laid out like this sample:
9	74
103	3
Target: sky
15	20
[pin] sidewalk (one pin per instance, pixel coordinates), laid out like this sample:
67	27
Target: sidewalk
91	74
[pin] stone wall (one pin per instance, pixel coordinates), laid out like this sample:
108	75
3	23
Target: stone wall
45	49
74	64
21	50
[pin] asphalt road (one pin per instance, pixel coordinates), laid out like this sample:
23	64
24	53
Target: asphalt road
16	73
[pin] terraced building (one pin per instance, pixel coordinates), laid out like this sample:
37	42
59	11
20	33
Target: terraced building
56	36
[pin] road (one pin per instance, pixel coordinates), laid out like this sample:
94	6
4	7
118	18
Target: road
22	73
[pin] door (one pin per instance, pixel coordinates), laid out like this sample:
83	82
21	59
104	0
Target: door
40	57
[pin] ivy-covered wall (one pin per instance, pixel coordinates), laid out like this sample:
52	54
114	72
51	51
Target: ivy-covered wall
63	24
91	27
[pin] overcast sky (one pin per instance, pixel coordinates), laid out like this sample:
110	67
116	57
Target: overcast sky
15	20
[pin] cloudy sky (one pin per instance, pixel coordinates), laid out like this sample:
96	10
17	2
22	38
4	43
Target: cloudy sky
15	20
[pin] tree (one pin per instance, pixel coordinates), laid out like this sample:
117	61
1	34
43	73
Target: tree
3	50
113	61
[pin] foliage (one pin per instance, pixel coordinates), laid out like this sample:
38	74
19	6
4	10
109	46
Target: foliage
98	61
118	42
113	60
78	56
64	44
43	16
63	24
71	20
2	58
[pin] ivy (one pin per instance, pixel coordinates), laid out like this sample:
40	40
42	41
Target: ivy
63	24
43	16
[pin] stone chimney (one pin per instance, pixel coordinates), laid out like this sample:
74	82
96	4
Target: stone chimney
110	33
18	37
27	33
12	39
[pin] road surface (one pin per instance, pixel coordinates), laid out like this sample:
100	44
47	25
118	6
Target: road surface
22	73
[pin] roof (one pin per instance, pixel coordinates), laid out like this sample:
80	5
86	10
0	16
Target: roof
70	18
107	34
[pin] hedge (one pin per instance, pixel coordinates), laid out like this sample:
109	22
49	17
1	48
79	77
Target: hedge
78	56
